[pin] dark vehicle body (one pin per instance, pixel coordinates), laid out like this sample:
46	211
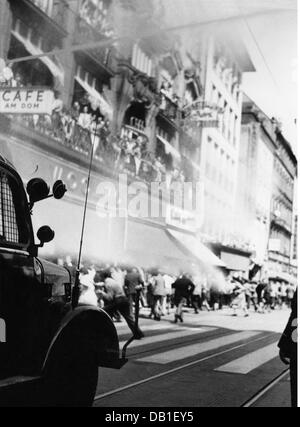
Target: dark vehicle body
49	352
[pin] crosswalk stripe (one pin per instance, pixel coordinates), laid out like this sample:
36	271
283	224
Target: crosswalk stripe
153	327
195	349
177	369
184	332
250	361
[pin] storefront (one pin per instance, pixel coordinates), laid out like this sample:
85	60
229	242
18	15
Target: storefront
236	260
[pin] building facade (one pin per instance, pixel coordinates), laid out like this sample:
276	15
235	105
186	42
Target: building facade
282	208
226	61
255	178
123	99
163	109
265	198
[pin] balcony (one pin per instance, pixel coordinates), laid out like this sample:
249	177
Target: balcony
100	56
92	25
169	109
51	15
135	126
67	132
145	87
53	9
281	223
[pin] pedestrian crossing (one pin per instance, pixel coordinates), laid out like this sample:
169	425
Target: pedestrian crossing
174	335
181	353
123	328
184	332
246	364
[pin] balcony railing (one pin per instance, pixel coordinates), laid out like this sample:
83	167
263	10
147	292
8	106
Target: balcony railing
118	154
169	108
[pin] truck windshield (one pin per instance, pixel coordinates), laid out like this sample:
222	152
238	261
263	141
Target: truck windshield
13	229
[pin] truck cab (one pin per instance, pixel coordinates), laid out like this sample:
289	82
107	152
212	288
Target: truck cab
49	351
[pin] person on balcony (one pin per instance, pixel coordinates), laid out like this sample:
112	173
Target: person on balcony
57	110
85	119
137	159
6	74
68	125
160	168
166	89
75	112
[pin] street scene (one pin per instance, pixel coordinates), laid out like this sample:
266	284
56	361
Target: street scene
148	205
226	363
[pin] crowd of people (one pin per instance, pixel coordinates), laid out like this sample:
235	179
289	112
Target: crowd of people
79	128
121	291
83	125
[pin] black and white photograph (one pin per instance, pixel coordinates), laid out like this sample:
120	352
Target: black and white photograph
148	206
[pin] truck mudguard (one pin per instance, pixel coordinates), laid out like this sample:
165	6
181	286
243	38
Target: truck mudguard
86	326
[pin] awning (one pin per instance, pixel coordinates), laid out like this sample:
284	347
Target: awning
151	246
236	262
169	148
96	98
286	277
190	244
56	70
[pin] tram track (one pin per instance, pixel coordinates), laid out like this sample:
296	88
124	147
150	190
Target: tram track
177	369
262	392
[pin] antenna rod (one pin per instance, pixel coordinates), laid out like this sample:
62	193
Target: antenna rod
76	289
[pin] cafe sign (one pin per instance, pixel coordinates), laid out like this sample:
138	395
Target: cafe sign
29	100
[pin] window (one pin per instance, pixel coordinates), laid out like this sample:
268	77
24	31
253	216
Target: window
141	61
95	14
13	229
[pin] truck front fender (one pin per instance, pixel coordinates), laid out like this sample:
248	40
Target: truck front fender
89	327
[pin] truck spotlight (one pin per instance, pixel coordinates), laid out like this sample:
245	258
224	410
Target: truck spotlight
37	189
59	190
45	235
